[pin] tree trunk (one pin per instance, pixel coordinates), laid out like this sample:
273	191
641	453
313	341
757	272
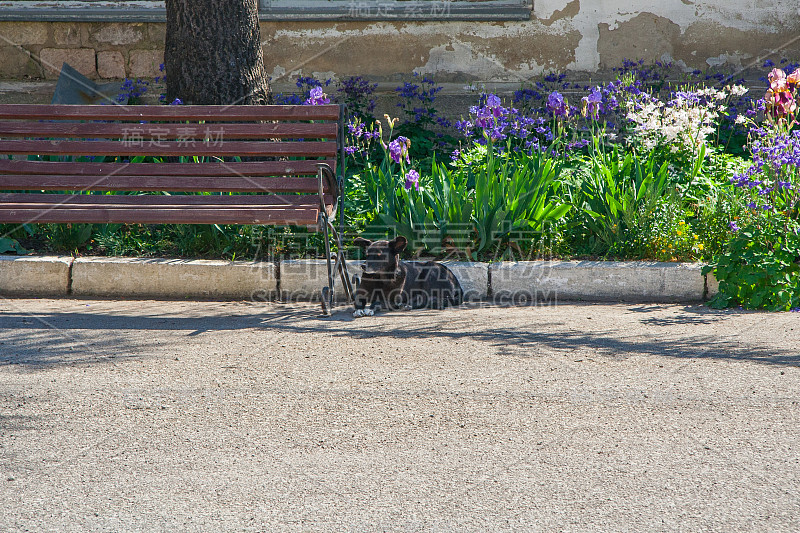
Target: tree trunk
213	53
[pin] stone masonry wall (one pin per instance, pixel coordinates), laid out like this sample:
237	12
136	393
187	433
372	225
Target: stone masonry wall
36	50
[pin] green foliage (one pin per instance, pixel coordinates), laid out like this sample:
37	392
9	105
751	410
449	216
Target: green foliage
515	191
67	237
617	189
11	246
468	208
426	140
760	268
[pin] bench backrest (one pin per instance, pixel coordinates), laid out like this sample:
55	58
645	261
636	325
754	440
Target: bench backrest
271	153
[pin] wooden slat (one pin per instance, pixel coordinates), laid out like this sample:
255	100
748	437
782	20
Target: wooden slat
171	148
193	215
250	168
218	132
33	182
157	209
69	201
164	112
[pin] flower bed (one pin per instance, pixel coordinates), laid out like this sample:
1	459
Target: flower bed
635	168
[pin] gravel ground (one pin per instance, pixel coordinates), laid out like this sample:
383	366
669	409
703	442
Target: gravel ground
198	416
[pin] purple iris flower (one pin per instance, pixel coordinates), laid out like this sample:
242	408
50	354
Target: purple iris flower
592	102
317	97
412	180
398	149
557	105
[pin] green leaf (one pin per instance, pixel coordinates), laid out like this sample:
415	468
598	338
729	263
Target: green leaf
11	245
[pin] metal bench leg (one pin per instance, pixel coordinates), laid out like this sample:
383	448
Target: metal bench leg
335	262
340	265
327	291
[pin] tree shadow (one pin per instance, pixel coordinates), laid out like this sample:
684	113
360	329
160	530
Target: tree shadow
53	338
690	315
45	339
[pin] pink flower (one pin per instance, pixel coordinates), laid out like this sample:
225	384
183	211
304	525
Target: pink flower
776	75
786	103
793	80
780	103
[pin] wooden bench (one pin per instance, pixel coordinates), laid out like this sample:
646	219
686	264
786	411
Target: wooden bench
262	165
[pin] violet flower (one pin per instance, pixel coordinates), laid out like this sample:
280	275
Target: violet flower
398	149
317	97
412	180
557	105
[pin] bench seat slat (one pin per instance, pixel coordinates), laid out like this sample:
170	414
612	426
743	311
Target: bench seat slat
171	148
67	201
212	113
306	216
34	182
169	131
250	168
156	209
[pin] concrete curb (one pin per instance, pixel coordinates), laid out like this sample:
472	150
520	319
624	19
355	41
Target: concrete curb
303	279
473	278
598	281
172	278
527	281
34	275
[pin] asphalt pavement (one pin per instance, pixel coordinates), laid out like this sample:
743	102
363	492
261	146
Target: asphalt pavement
212	416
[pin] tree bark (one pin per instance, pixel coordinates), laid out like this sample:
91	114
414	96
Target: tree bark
213	53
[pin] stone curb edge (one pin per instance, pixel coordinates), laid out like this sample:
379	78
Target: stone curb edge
301	280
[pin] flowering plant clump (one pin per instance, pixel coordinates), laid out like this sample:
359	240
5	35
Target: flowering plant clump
361	137
357	93
683	123
780	98
773	180
417	101
490	121
760	267
654	75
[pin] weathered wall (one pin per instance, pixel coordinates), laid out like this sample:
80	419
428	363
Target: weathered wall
584	35
96	49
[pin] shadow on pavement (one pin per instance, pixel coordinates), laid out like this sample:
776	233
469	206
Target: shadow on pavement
42	339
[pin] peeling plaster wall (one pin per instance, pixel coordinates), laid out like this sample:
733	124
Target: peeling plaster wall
581	35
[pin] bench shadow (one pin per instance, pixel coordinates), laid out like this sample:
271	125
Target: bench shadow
55	338
46	339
